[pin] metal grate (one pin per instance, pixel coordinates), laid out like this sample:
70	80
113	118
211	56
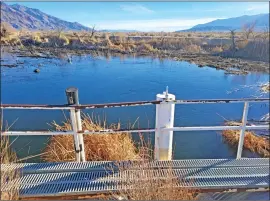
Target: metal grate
92	187
110	165
235	196
77	177
48	180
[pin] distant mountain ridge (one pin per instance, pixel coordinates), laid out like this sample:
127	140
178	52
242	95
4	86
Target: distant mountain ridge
118	30
22	17
261	20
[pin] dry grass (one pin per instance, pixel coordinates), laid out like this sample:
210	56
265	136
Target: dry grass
158	184
103	147
8	177
252	142
265	87
217	49
256	48
242	43
194	48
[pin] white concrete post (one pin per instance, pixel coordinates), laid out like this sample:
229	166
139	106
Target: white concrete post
80	136
73	98
242	132
164	119
75	136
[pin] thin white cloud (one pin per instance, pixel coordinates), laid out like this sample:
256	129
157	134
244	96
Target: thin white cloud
135	8
154	25
264	7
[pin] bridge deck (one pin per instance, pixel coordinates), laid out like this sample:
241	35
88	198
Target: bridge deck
71	178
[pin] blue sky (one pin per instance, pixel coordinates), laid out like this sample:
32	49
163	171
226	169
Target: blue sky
147	16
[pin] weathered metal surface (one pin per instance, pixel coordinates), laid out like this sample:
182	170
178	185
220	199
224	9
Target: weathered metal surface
86	106
125	104
89	177
216	128
259	195
205	101
89	166
144	130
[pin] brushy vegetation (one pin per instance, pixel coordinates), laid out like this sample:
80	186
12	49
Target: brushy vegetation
245	51
106	147
241	45
265	88
252	142
8	177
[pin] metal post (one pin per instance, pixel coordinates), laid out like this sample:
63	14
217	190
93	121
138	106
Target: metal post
242	132
73	98
164	118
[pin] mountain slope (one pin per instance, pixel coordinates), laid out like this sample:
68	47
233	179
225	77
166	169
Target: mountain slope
261	20
19	17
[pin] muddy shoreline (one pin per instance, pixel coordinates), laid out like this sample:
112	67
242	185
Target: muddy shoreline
229	65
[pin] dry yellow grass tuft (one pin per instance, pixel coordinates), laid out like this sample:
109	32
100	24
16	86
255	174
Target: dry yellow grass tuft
217	49
265	87
193	48
119	146
242	43
252	142
8	177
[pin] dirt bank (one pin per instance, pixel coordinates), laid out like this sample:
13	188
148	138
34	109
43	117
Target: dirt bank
230	65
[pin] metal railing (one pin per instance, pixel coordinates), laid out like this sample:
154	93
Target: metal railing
164	125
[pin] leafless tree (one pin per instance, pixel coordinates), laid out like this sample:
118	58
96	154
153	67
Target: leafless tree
162	35
233	47
85	34
59	30
248	29
93	31
265	33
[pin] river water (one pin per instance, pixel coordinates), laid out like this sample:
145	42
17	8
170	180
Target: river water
119	79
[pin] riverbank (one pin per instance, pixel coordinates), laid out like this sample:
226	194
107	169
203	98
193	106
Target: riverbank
229	65
247	56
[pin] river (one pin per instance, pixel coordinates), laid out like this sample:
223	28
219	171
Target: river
128	78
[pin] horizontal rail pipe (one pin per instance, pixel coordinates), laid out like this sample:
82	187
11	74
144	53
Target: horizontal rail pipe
126	104
216	128
207	101
198	128
86	106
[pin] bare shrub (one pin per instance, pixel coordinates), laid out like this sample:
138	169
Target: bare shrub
144	47
193	48
242	43
217	49
106	41
36	38
248	29
265	87
252	142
